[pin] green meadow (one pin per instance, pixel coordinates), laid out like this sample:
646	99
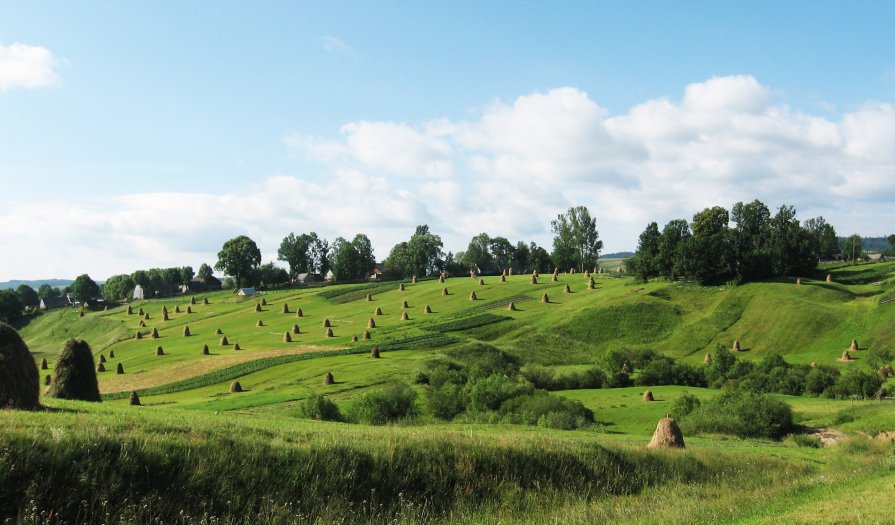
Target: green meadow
196	453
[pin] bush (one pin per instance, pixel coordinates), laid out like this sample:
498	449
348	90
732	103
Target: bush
548	379
684	405
74	376
802	440
855	383
742	413
389	403
618	380
489	393
446	401
665	371
542	409
319	408
817	380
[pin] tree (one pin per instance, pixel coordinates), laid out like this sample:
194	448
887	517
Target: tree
10	306
239	256
298	253
320	251
343	259
645	263
399	260
793	248
891	239
117	287
577	242
674	238
364	259
205	272
522	255
424	250
752	239
477	253
824	236
27	295
539	259
141	277
502	251
46	291
707	252
84	288
852	248
186	275
271	275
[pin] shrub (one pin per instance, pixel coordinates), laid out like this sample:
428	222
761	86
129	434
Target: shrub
684	405
618	380
542	409
389	403
548	379
488	393
446	401
665	371
74	376
319	408
19	378
855	383
817	380
803	440
744	414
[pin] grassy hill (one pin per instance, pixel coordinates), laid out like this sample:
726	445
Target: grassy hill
245	457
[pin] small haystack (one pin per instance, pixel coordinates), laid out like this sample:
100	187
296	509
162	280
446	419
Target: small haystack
886	371
441	279
130	310
404	316
218	332
146	316
142	324
473	297
545	299
111	354
19	378
44	365
404	304
186	331
736	345
119	369
534	279
235	387
135	399
287	337
205	300
571	271
854	346
353	338
366	335
326	323
257	307
481	282
566	289
667	435
377	311
141	311
813	364
503	278
165	317
369	297
164	309
329	332
236	347
176	309
259	323
189	309
707	359
798	281
47	380
371	323
299	313
444	291
102	358
155	333
587	274
139	335
511	307
81	313
295	329
590	284
648	396
224	341
193	300
328	379
285	308
401	287
510	272
374	353
829	278
205	350
263	301
159	350
427	310
413	279
845	356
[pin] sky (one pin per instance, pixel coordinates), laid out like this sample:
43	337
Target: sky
146	134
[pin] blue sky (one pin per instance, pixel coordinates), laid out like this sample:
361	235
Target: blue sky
145	134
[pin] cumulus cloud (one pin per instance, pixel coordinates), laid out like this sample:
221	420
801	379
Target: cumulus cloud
27	67
508	171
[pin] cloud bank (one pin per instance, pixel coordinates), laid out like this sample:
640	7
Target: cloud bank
26	67
507	171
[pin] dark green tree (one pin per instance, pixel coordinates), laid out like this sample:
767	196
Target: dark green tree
205	272
84	288
344	256
298	253
27	295
522	255
477	253
117	287
576	241
10	306
852	248
707	252
186	275
502	252
645	263
364	259
671	248
424	251
752	239
271	275
825	238
46	291
793	249
540	259
891	239
238	257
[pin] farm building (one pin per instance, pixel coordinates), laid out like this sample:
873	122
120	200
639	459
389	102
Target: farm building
876	257
49	303
246	291
200	284
138	292
305	278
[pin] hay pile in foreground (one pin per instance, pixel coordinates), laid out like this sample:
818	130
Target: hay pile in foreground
667	435
19	378
74	376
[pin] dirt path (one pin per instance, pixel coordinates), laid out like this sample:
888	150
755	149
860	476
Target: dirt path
829	436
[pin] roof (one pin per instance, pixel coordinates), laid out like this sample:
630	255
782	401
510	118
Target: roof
246	291
211	280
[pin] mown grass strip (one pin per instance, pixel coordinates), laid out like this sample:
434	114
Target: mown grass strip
466	323
352	293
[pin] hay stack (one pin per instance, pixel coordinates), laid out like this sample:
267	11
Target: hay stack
427	310
374	353
74	376
326	323
193	299
829	278
139	335
413	279
81	313
328	379
587	274
164	309
736	345
329	332
535	274
554	277
404	304
854	346
511	307
119	369
111	354
441	279
155	333
260	323
473	297
813	364
134	399
19	378
186	331
626	368
401	287
189	309
205	300
165	317
377	311
648	396
591	285
236	347
285	308
545	299
798	281
287	337
667	435
235	387
845	356
159	350
205	350
176	309
444	291
534	279
142	324
886	371
404	316
263	301
44	365
130	310
257	307
295	329
218	332
566	289
47	380
224	341
141	311
102	358
369	297
481	282
366	335
503	278
146	316
299	313
371	323
707	359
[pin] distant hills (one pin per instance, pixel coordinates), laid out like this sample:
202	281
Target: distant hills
55	283
617	255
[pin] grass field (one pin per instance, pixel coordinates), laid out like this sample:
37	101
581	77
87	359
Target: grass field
215	448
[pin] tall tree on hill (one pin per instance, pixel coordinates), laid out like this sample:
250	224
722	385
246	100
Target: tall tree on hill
27	295
186	275
539	259
671	257
10	306
825	238
852	248
708	253
502	251
117	287
205	272
891	239
477	253
238	257
364	259
46	291
645	262
344	255
793	248
425	252
751	239
577	242
298	253
84	288
522	255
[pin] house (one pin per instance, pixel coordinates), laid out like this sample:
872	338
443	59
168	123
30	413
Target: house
200	284
50	303
138	293
305	278
876	257
246	291
377	273
330	276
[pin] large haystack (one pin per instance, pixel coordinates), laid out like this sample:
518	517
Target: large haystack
193	300
328	379
534	279
19	378
667	435
257	307
590	284
845	357
260	323
566	289
285	308
155	333
404	304
369	297
374	353
205	300
139	335
119	369
545	299
224	341
159	350
648	396
189	309
287	337
511	307
295	329
371	323
427	309
130	310
176	309
134	399
299	313
235	387
329	332
854	346
141	311
186	331
377	311
503	278
481	282
473	297
165	317
74	376
326	323
404	316
205	350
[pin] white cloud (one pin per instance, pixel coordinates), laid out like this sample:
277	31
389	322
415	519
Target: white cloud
507	171
335	45
28	67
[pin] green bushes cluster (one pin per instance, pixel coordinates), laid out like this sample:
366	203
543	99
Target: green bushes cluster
392	402
319	408
741	413
549	379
